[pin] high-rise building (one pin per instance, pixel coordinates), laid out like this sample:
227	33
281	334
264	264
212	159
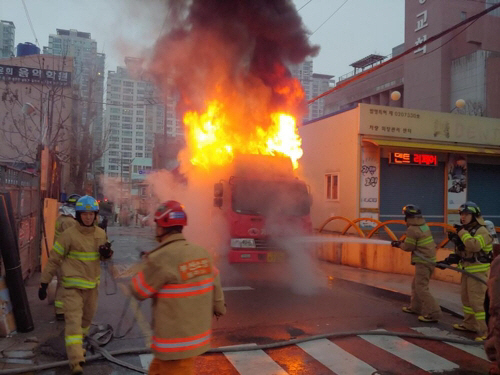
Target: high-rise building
88	73
314	84
7	37
136	115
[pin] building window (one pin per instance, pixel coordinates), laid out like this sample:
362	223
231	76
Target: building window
113	117
139	134
332	186
127	147
139	126
127	133
126	140
139	155
126	155
113	153
127	126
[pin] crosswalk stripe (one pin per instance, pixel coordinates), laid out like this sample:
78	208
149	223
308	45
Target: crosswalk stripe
477	351
254	362
335	358
411	353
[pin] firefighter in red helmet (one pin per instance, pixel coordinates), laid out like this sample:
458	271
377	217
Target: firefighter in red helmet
186	289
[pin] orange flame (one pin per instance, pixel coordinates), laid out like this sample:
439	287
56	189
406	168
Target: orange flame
212	140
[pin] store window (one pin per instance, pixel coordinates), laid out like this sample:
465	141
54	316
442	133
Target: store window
332	186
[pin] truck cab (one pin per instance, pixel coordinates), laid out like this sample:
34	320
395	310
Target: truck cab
262	211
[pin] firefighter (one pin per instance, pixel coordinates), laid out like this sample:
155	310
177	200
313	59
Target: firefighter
419	239
65	220
186	291
77	252
473	252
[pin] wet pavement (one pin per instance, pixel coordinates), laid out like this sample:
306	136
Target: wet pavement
268	303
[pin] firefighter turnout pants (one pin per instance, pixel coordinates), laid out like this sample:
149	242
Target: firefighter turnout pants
58	302
175	367
80	306
422	301
473	292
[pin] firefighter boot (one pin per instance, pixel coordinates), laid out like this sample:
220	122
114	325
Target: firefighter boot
76	368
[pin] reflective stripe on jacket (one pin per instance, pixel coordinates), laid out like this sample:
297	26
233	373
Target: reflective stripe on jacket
186	289
419	238
76	252
481	240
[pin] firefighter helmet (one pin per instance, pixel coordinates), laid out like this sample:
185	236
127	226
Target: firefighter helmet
473	209
87	203
170	214
411	210
72	199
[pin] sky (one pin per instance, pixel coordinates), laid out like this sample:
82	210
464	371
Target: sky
129	27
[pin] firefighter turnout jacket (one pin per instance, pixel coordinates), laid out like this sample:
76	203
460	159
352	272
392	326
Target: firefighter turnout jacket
419	238
63	222
76	252
477	242
186	292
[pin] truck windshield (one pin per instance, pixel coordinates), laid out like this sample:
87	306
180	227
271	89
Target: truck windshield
253	197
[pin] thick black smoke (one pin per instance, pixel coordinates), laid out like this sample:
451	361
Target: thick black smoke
233	49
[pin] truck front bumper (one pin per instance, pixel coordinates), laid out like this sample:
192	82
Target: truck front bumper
256	256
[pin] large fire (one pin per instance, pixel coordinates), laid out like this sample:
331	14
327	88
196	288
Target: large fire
213	140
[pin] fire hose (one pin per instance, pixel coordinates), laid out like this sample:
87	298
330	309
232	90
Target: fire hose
110	355
462	271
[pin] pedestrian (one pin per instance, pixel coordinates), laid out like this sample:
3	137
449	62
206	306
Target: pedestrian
419	241
77	253
473	252
65	220
104	224
186	291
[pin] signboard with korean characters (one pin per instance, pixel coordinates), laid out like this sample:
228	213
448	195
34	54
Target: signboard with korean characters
21	74
402	123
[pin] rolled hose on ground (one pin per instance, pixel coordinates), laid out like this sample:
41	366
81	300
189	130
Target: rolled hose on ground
109	355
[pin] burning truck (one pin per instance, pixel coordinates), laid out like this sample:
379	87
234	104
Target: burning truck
263	204
227	62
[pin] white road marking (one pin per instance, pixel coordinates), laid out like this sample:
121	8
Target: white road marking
336	358
411	353
146	360
254	362
233	288
477	351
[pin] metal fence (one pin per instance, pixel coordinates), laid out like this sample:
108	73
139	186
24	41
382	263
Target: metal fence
23	189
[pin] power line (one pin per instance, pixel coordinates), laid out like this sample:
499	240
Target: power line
331	15
412	49
298	10
30	23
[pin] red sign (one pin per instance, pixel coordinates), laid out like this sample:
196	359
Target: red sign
409	158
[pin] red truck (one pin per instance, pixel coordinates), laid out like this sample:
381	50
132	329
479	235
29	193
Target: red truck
264	204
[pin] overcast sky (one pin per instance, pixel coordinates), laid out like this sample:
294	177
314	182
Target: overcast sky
359	28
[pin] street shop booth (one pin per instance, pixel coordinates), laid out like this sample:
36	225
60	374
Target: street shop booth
370	161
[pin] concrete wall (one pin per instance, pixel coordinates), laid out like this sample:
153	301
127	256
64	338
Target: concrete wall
331	145
383	258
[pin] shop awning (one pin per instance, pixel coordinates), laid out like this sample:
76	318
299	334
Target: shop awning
434	146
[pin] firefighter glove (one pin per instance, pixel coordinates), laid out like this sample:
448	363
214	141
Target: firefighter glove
105	250
453	237
441	265
453	259
458	227
395	243
42	292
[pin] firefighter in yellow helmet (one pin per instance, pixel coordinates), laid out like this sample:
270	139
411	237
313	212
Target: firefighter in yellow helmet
419	239
473	253
77	253
186	291
65	220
